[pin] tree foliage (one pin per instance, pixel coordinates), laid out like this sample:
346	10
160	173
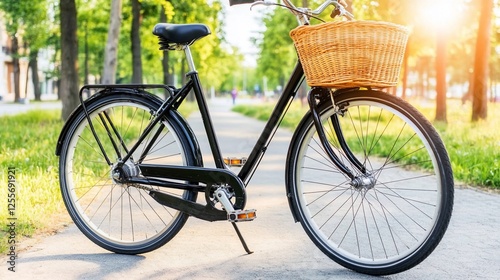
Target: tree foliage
25	19
220	65
277	56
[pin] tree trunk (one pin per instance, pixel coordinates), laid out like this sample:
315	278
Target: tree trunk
69	57
136	43
420	81
17	70
33	64
441	76
86	55
168	78
481	67
404	79
111	51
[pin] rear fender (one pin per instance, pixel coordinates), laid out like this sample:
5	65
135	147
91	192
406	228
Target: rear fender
184	127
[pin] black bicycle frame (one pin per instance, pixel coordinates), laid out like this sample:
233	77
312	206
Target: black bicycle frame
209	177
260	147
262	143
272	124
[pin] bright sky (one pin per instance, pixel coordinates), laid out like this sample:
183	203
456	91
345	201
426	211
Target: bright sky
242	24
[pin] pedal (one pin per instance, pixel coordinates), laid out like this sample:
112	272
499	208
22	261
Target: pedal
233	215
242	215
236	162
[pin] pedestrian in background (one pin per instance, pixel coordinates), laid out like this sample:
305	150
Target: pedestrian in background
234	93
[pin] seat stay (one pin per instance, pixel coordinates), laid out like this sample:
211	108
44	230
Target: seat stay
164	108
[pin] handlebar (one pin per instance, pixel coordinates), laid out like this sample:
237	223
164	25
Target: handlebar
239	2
303	13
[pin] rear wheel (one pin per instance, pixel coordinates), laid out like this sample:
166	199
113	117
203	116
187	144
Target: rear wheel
122	218
392	223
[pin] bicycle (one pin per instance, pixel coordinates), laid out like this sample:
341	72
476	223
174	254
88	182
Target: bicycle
131	167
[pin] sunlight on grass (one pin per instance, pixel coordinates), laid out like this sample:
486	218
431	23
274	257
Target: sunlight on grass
473	147
28	144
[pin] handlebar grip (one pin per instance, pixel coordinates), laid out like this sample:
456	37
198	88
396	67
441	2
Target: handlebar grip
238	2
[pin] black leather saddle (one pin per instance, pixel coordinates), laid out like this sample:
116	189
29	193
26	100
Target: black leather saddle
172	36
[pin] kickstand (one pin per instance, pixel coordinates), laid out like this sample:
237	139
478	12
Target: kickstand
241	238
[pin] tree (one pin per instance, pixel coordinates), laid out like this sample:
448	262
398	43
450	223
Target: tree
212	62
111	50
36	20
94	22
14	12
441	76
24	20
135	38
167	75
277	54
69	57
480	74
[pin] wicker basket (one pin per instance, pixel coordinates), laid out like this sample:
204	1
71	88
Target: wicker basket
351	53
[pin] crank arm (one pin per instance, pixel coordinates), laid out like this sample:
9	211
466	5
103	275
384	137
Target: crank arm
204	212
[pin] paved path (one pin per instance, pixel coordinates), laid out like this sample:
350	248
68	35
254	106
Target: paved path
202	250
16	108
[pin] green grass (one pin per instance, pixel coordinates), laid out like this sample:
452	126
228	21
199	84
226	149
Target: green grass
473	147
27	143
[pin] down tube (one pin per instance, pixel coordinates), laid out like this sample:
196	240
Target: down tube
272	124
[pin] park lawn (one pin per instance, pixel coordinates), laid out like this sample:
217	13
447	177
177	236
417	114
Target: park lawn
28	143
474	148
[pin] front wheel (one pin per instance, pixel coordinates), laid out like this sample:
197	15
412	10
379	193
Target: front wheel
121	217
395	222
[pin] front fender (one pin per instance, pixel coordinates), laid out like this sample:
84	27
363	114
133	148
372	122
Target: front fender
289	165
324	100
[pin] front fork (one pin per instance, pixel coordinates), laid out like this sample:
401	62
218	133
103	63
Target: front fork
364	178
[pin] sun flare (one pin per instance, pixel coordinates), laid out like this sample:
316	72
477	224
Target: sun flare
439	14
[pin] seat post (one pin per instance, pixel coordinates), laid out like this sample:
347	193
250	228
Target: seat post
189	59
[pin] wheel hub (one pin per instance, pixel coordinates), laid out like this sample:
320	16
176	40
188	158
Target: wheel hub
364	182
120	173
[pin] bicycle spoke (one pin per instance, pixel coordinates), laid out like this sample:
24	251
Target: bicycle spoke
321	196
384	183
387	211
334	213
162	157
408	201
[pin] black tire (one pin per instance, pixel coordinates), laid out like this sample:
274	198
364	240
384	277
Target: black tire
388	227
119	217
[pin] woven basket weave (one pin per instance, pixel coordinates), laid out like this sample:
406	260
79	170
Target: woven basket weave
351	53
